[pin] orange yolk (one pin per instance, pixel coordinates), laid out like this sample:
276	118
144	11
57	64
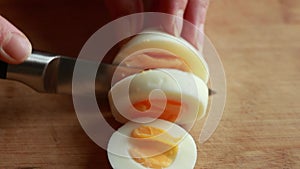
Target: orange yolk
170	113
155	148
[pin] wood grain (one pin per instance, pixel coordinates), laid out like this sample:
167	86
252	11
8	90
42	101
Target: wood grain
259	44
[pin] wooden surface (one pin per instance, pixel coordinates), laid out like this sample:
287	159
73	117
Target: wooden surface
259	43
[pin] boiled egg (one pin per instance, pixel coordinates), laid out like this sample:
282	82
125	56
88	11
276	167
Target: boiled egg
169	94
154	49
158	105
158	144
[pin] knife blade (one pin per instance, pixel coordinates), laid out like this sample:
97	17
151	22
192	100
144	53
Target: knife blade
50	73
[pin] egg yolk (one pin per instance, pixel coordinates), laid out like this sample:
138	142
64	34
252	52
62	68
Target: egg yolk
170	113
155	148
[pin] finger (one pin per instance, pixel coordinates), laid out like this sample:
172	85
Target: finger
119	8
195	13
173	25
14	46
127	26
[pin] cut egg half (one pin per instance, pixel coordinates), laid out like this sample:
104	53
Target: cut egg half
154	49
168	94
158	144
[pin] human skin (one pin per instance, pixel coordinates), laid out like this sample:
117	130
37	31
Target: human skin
193	11
15	47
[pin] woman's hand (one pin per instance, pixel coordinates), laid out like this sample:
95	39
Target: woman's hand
14	46
193	11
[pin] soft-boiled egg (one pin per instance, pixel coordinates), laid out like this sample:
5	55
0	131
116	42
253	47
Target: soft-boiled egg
154	49
157	144
168	94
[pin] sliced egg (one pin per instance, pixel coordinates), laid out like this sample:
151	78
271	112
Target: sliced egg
157	144
171	90
168	94
153	49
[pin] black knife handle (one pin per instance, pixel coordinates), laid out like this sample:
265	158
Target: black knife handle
3	70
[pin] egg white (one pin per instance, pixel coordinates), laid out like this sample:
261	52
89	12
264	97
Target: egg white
164	41
118	146
176	85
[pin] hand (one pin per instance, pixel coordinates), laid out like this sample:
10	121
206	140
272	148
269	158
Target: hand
193	11
14	46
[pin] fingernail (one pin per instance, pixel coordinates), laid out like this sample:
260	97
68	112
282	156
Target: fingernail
16	46
178	23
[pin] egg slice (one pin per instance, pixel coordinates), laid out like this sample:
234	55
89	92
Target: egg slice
153	49
157	144
168	94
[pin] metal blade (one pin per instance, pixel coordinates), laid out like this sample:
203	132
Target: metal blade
102	80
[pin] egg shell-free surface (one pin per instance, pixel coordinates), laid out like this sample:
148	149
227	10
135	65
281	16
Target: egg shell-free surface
119	145
177	46
176	85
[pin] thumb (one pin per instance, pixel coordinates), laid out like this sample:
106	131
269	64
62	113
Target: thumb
14	46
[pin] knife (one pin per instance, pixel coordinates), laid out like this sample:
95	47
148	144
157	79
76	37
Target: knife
50	73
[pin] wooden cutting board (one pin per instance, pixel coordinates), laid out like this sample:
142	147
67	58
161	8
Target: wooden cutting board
259	44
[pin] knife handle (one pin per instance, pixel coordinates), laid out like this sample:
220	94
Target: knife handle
32	71
3	70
